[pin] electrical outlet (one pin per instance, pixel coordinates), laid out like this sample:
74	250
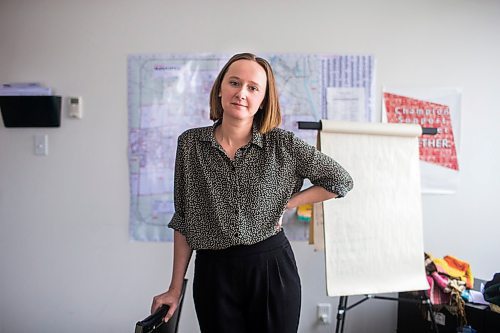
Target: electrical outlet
324	313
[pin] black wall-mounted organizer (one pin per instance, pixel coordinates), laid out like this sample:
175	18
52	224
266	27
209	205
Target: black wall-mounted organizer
31	111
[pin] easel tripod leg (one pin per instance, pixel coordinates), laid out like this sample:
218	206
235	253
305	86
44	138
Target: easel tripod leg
341	310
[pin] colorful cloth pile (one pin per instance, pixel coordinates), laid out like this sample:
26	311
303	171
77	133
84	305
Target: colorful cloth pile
449	278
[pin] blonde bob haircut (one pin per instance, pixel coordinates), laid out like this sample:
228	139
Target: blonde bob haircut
266	118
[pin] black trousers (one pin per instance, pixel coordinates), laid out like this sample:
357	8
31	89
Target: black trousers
254	288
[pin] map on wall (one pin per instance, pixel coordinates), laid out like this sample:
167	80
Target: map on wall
169	93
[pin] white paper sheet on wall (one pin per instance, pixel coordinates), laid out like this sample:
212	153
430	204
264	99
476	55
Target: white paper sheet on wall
346	103
373	237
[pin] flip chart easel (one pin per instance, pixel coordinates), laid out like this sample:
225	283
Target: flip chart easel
374	238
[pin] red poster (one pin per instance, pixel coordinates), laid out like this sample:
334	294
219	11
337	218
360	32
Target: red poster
439	149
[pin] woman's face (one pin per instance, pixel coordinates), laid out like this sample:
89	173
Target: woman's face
243	89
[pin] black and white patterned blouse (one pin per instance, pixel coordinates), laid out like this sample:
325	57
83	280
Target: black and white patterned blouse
221	202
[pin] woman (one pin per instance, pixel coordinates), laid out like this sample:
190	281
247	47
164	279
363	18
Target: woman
233	181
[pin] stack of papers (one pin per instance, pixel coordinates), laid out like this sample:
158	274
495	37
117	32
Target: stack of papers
24	89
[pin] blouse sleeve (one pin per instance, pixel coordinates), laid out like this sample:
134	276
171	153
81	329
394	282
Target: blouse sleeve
320	168
178	221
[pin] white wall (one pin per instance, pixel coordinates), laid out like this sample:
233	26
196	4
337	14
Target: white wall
66	263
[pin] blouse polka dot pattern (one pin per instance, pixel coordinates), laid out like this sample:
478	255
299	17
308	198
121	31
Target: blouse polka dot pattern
221	203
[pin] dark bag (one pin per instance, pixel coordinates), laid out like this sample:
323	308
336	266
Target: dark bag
492	290
154	323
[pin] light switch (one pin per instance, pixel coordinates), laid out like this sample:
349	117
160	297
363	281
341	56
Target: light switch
42	144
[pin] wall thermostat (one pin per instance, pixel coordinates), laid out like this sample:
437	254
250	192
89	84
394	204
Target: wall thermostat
75	107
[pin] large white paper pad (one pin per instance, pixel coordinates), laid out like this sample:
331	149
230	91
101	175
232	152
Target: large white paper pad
373	237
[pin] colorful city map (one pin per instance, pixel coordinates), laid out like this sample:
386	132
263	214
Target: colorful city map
169	93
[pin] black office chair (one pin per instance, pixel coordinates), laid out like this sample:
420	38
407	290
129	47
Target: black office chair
155	324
